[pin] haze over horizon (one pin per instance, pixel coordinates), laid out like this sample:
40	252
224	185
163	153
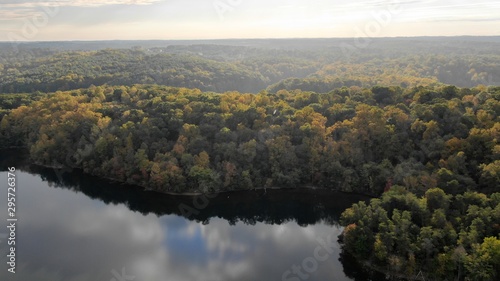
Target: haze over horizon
54	20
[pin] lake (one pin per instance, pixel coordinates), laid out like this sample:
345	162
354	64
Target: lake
75	227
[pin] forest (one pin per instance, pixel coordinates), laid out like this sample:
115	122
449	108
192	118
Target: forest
252	65
417	131
447	236
351	139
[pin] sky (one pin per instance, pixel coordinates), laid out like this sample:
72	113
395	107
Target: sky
51	20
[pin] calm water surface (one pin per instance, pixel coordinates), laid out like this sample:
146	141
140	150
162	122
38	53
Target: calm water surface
75	227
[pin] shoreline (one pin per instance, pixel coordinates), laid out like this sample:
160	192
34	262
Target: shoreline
187	193
197	193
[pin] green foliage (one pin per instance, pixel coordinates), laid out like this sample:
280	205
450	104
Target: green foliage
178	139
484	261
378	122
423	233
308	65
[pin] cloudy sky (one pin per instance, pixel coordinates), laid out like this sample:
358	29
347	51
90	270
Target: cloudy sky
34	20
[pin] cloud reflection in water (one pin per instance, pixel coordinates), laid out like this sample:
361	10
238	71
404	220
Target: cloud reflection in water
65	235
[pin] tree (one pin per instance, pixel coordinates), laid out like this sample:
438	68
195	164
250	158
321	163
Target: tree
437	199
483	263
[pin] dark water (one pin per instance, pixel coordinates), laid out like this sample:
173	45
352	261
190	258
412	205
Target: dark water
75	227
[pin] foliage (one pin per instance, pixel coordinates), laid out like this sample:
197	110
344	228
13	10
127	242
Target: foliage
308	65
351	139
375	120
447	237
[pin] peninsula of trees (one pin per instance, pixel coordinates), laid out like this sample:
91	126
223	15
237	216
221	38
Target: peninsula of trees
350	139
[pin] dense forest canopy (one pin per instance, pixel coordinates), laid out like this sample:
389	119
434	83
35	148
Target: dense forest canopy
448	237
413	120
351	139
252	65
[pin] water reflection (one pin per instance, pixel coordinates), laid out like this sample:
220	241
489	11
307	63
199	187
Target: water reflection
272	206
86	229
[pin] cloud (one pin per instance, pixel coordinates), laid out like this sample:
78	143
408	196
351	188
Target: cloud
26	9
464	19
198	19
14	14
76	3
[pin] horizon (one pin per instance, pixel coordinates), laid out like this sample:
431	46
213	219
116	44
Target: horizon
148	20
249	38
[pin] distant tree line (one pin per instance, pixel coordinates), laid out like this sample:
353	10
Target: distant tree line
246	69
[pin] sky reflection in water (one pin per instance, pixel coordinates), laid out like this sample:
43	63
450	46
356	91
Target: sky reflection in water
63	234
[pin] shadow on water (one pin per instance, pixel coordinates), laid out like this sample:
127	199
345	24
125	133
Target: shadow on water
303	206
